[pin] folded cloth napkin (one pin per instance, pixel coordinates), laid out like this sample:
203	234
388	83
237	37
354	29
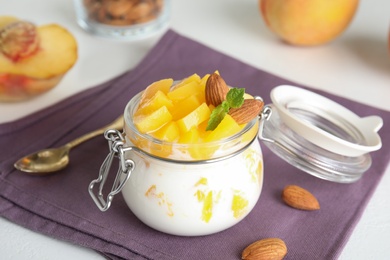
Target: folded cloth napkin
59	205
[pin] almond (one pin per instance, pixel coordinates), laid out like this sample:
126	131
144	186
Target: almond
216	90
299	198
248	111
265	249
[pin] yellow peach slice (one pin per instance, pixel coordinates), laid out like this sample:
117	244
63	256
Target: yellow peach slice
239	205
162	85
158	100
204	80
153	121
202	128
169	132
193	119
184	107
248	96
190	137
191	88
202	86
197	149
249	135
193	78
227	127
157	149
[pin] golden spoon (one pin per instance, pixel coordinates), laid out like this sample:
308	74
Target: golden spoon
50	160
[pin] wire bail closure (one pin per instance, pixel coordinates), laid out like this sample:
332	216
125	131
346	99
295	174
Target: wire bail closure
126	167
265	115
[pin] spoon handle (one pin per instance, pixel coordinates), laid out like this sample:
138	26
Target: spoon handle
117	124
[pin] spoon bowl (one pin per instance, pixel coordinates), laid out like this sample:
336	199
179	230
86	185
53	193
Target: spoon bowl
51	160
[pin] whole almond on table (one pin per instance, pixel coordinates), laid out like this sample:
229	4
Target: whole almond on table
216	90
299	198
265	249
249	110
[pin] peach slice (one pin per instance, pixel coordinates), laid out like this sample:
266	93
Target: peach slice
189	89
169	132
184	107
158	100
162	85
33	59
226	128
193	119
193	78
153	121
56	55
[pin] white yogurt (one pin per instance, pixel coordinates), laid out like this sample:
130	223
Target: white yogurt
194	199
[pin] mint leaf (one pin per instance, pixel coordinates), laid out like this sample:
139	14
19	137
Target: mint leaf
235	97
217	115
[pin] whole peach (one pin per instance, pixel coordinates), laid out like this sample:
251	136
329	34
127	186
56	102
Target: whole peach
308	22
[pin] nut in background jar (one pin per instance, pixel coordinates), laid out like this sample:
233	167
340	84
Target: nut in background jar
122	18
123	12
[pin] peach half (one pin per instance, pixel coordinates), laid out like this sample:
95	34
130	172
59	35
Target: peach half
33	59
307	23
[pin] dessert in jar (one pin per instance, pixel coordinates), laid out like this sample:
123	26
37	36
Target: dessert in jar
190	161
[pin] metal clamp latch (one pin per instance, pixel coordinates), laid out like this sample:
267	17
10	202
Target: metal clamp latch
126	166
264	116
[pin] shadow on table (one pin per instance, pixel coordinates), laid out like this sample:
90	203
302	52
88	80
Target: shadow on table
373	52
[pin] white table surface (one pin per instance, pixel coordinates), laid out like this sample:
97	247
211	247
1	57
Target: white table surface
356	65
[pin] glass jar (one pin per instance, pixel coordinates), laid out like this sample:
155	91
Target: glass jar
170	191
200	189
122	19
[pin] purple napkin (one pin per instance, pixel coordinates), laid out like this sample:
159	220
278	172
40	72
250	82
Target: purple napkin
59	205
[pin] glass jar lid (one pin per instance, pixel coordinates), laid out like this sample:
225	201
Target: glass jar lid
319	136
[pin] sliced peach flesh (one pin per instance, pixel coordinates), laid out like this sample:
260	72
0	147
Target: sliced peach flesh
57	53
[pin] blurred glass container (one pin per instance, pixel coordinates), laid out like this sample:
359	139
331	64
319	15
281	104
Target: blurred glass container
123	19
